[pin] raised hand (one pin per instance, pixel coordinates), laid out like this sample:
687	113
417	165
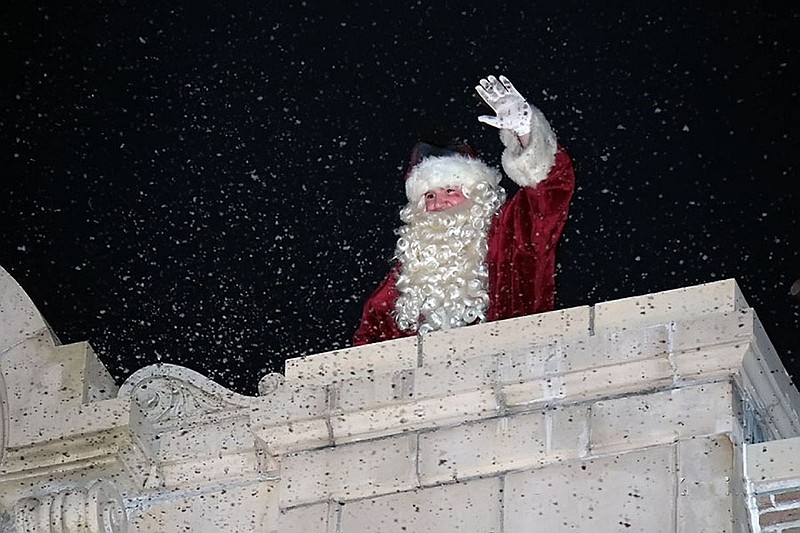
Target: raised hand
513	112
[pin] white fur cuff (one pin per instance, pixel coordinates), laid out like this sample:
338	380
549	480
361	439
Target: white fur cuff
530	166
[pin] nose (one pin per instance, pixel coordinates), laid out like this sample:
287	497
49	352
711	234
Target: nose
441	202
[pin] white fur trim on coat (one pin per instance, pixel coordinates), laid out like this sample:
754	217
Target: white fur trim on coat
448	171
530	166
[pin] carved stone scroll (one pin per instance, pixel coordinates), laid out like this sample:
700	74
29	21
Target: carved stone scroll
97	509
168	393
270	383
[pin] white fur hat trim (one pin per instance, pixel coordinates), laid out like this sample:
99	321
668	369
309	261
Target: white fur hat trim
448	171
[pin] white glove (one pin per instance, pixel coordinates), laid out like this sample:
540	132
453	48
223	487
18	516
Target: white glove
513	112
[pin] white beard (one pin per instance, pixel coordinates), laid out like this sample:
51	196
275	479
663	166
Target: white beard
444	281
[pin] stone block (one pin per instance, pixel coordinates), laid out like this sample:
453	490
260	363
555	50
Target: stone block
39	426
628	492
612	347
42	379
289	403
454	377
414	384
97	382
661	417
534	394
251	507
291	417
208	454
295	436
712	363
773	465
469	506
218	438
516	335
482	448
209	469
567	431
408	416
535	362
623	378
372	391
663	307
704	495
359	361
487	447
349	471
711	330
630	377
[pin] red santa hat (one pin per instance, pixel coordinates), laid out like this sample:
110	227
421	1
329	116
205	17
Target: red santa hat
455	165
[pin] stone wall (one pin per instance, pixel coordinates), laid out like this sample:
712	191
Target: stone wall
668	412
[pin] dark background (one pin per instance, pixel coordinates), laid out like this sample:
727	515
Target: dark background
216	186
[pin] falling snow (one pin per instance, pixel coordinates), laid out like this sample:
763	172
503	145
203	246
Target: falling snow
217	187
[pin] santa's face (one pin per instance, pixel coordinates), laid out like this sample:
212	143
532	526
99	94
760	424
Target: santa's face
443	198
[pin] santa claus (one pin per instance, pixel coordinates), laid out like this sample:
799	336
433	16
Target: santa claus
464	255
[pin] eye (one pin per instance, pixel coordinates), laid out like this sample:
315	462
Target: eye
429	196
451	191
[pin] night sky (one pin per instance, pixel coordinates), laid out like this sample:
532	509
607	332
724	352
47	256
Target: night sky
217	186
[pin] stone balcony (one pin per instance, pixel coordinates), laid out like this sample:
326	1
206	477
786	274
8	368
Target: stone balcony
664	412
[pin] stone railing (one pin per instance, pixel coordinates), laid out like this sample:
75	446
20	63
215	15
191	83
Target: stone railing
634	414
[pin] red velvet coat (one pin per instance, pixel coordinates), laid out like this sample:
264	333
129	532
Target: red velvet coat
521	257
